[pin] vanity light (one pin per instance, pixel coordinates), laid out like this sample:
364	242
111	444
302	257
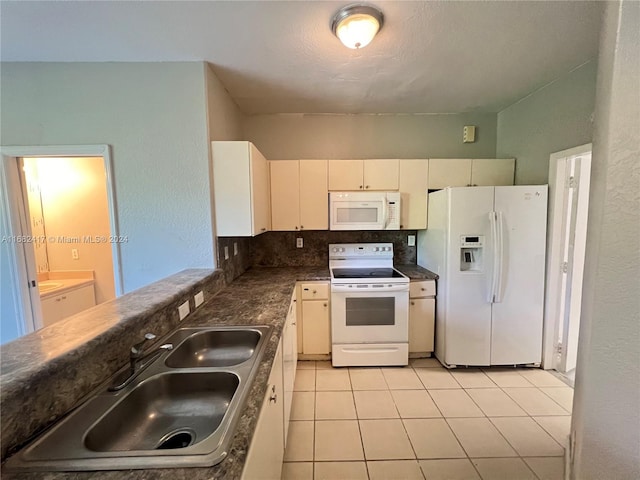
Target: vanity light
356	25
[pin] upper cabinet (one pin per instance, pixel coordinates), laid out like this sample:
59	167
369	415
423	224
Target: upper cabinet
466	172
299	195
349	175
414	176
241	189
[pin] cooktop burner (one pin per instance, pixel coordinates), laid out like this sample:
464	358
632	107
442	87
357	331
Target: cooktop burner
366	273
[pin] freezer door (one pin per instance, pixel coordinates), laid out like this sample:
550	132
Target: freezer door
468	310
516	330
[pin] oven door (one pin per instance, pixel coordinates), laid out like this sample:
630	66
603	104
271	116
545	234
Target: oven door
369	314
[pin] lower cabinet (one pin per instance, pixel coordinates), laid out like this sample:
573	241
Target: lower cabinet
266	452
264	459
289	361
58	307
422	305
314	322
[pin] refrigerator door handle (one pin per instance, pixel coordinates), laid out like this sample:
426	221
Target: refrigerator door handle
500	256
494	245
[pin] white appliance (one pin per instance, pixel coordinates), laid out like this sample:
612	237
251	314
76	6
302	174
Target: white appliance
364	210
487	244
369	306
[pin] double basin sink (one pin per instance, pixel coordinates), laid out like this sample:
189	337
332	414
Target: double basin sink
180	410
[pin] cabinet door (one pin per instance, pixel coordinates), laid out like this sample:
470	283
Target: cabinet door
345	175
492	171
232	188
285	195
381	174
449	172
413	188
52	311
421	324
290	360
314	211
264	459
260	200
316	336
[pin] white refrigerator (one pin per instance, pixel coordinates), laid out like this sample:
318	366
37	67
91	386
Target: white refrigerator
487	244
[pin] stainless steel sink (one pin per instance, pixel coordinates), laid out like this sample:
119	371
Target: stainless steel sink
172	410
181	411
217	348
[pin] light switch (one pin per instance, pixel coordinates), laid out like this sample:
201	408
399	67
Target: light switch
198	299
411	240
74	254
226	253
183	310
299	242
235	248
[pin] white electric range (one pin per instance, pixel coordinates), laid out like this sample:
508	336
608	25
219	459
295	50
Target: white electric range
369	306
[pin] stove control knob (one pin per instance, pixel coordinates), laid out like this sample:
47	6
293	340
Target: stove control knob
342	249
376	249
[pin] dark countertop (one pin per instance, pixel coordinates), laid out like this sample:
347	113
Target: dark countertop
416	272
260	296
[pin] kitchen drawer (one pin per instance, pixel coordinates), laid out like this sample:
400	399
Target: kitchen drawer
314	291
424	288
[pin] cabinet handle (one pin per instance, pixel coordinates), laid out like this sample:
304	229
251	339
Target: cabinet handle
301	227
360	187
401	226
314	292
413	303
64	298
296	227
293	323
324	304
273	398
422	288
367	186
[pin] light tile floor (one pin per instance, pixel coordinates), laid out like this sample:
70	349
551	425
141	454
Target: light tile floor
426	422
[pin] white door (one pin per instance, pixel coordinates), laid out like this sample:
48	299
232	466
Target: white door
569	180
518	308
467	336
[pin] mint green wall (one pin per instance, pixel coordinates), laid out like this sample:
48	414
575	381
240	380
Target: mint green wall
154	116
337	136
554	118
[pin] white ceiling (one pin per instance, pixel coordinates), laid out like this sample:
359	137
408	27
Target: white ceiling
281	57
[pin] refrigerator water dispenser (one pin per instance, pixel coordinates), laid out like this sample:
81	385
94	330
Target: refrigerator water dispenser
471	253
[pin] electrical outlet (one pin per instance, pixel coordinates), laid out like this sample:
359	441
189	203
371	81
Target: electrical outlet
183	310
299	242
74	254
226	253
411	240
198	299
235	248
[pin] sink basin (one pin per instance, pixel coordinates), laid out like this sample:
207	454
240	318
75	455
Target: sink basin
181	409
167	411
215	349
46	286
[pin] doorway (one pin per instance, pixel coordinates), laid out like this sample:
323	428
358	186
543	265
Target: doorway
58	233
569	181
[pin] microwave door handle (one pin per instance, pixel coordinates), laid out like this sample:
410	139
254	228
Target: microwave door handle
385	212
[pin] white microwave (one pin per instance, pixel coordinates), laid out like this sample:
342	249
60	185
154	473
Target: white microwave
364	210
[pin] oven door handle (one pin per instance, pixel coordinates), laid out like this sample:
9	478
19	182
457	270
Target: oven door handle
355	290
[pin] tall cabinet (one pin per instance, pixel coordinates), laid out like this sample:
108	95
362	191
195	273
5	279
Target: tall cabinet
241	189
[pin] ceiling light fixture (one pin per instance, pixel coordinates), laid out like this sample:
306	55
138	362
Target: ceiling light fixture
356	25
